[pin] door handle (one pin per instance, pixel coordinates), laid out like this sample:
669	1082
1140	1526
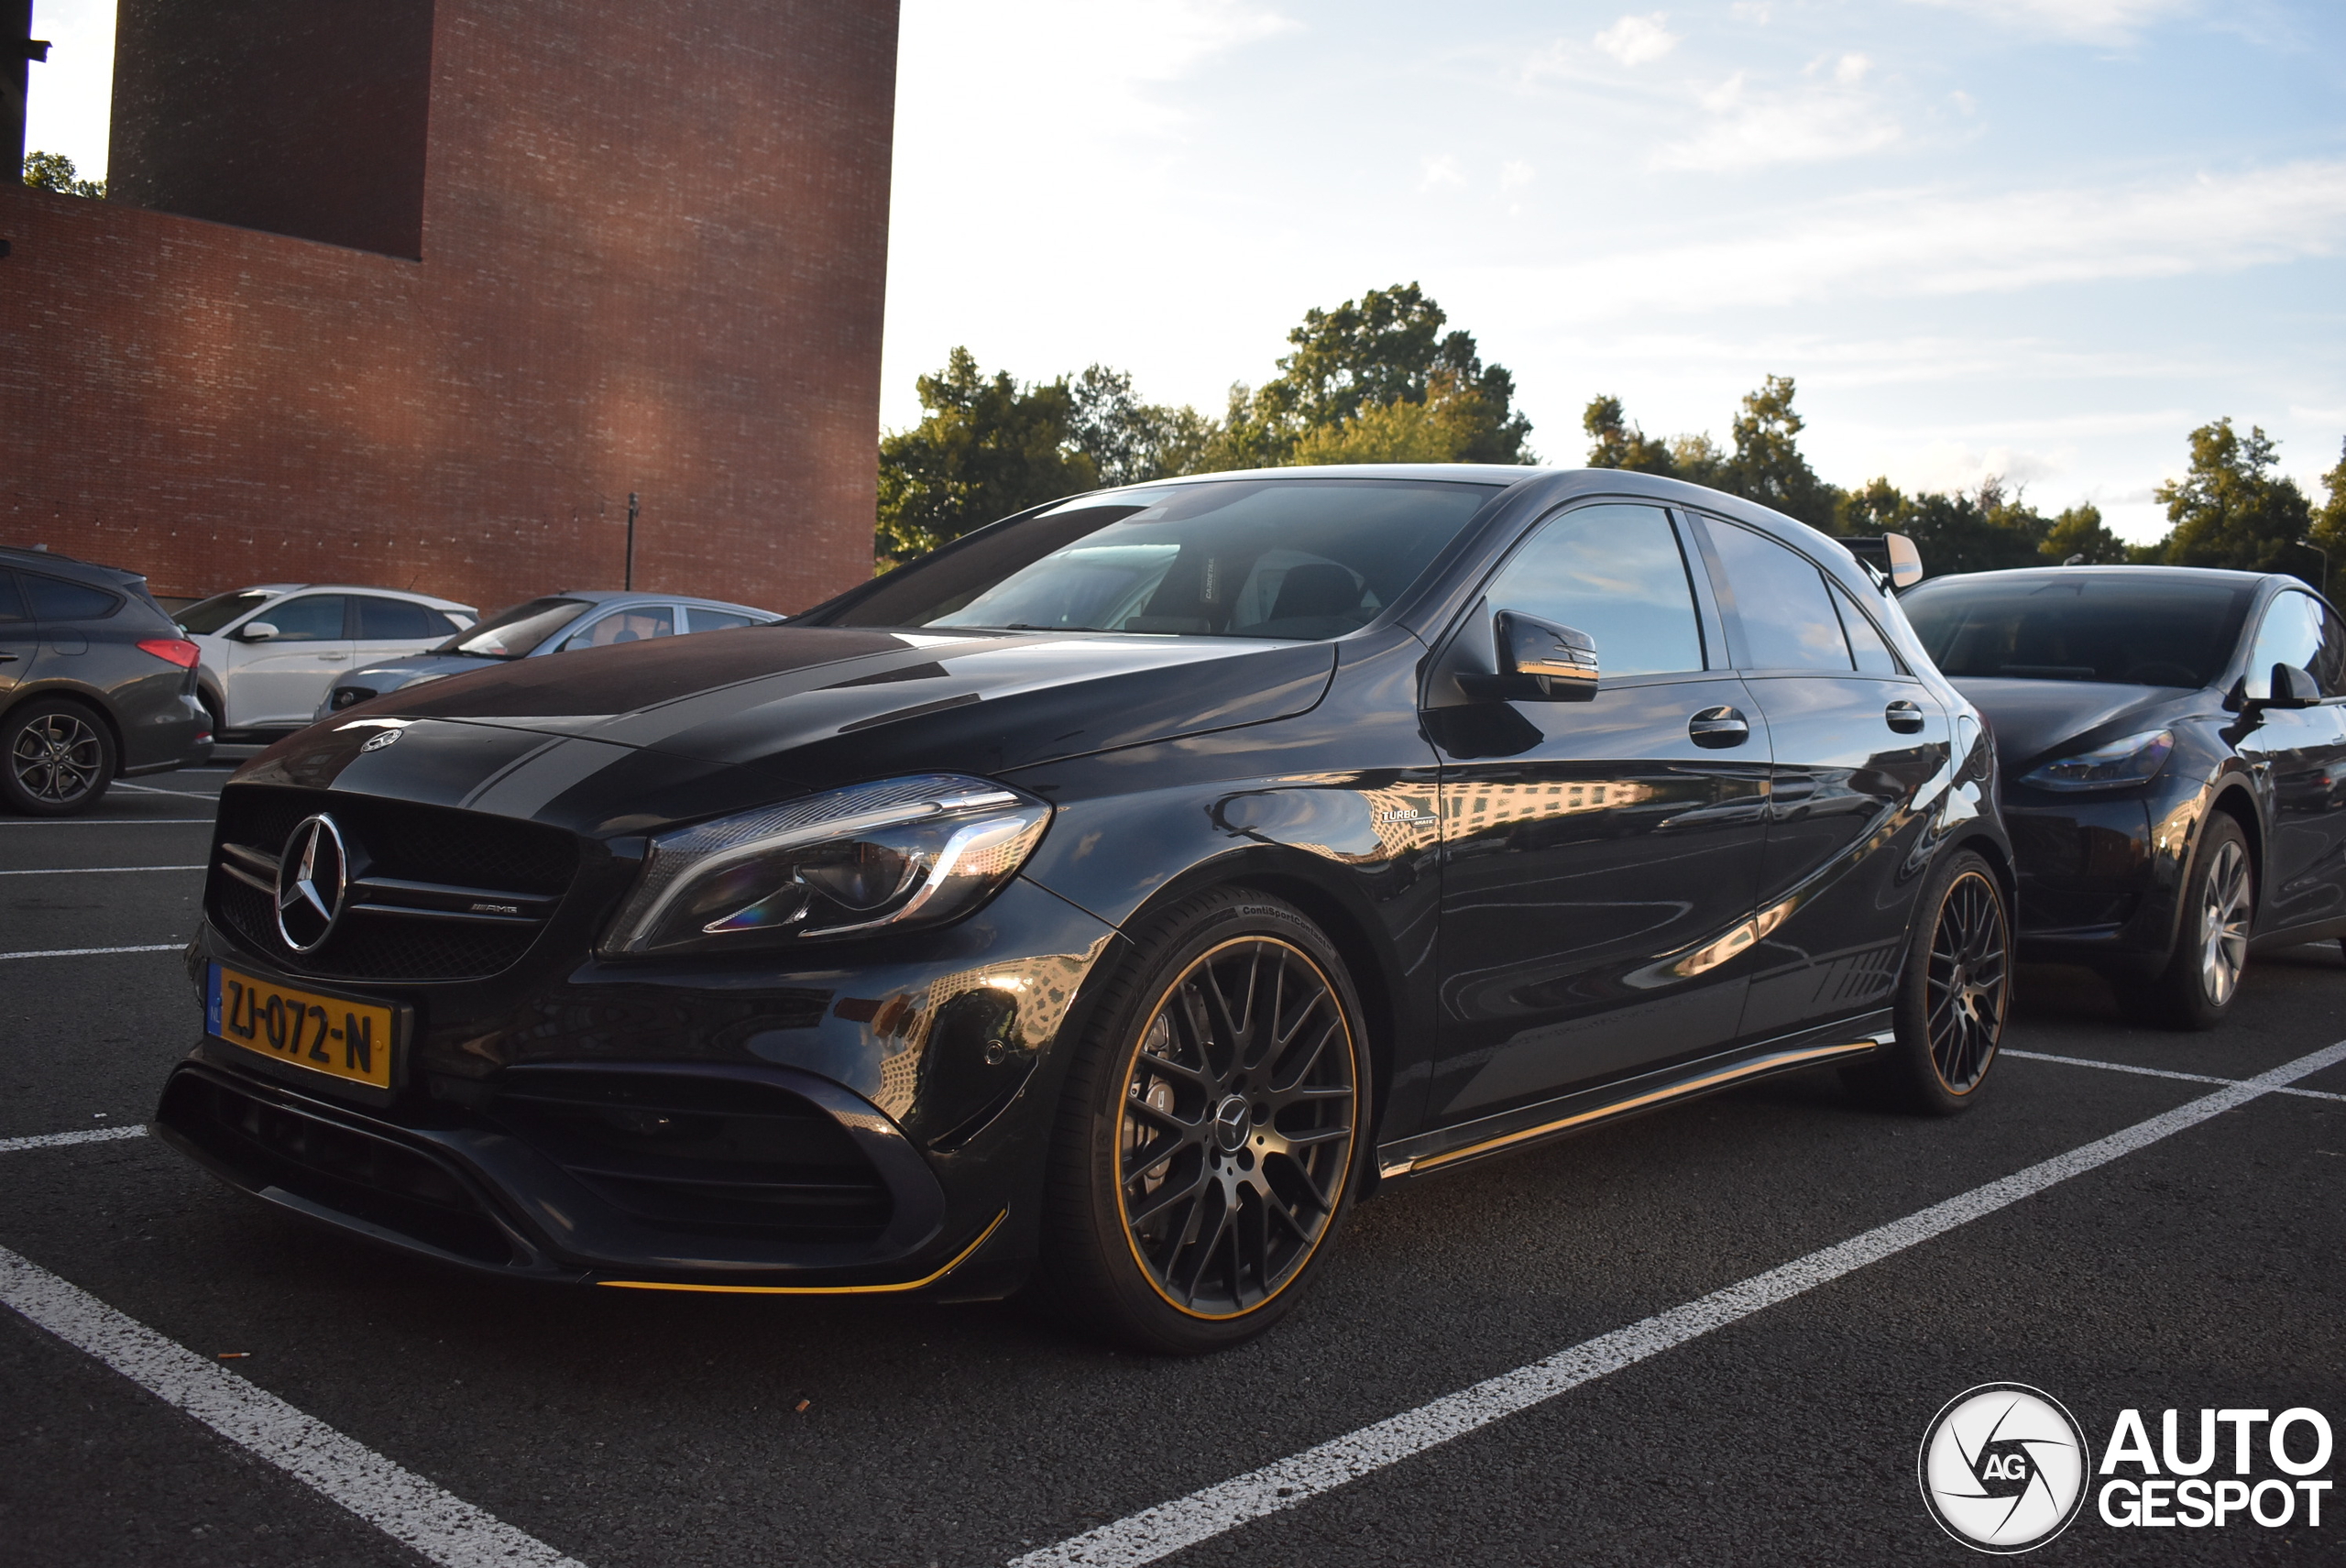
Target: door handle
333	658
7	658
1904	717
1718	727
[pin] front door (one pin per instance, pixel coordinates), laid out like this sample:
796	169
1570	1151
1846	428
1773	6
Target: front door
1600	858
2301	756
280	682
1860	746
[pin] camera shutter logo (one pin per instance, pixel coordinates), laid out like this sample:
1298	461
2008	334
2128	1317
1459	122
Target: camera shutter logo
2003	1467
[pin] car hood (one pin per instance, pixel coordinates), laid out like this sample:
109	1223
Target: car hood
610	739
2030	718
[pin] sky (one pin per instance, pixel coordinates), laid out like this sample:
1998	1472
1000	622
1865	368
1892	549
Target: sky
2035	238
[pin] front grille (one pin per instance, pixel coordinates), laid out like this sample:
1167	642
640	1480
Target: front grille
337	1168
711	1155
435	893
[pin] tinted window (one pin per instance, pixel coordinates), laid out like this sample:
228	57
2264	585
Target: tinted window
627	626
386	618
1292	558
1866	644
12	603
1614	572
2297	629
510	633
207	616
716	620
1788	622
53	599
308	617
2144	626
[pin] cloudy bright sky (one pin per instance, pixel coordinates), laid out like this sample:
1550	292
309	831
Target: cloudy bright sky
2039	237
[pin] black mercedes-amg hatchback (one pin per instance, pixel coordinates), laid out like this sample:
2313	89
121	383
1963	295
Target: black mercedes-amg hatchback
1105	901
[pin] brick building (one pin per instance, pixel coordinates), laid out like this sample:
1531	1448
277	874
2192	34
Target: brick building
418	291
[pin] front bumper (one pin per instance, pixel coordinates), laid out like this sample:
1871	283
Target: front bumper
876	1126
2097	876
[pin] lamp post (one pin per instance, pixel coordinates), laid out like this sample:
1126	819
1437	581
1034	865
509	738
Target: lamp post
2325	563
628	582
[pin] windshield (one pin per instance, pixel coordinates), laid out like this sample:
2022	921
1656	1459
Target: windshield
511	633
1279	558
208	616
2135	627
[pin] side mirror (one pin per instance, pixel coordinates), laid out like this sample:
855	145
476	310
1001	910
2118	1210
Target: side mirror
1906	561
256	632
1548	662
2292	687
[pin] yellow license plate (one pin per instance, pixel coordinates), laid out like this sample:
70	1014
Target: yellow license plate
325	1034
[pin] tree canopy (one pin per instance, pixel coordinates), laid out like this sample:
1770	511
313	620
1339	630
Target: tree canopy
2231	510
55	172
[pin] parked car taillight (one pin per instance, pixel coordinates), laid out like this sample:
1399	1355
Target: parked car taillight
173	649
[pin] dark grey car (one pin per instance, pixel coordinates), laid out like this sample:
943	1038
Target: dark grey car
95	682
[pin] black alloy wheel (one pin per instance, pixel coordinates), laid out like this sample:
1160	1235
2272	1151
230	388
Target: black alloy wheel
1953	999
59	758
1211	1132
2202	976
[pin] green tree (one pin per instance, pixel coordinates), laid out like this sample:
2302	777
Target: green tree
1876	506
2329	522
2080	532
2231	510
1767	465
1386	347
55	172
1128	441
986	447
1984	530
1615	442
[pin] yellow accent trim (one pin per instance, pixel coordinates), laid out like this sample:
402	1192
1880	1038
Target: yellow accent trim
1675	1092
958	1259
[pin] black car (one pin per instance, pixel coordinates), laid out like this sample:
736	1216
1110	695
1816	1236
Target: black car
1104	899
2174	748
95	683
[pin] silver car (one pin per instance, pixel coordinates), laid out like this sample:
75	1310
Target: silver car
538	627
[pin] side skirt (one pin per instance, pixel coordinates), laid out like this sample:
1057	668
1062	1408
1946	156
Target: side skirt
1446	1146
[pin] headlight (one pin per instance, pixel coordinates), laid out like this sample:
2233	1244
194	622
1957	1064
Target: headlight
2129	760
899	854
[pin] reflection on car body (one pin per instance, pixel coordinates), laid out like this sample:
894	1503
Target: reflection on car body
1110	898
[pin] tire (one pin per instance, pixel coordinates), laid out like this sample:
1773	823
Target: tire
57	758
1952	998
2202	977
219	720
1229	1039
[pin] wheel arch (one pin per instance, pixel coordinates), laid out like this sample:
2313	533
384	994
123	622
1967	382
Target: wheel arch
94	706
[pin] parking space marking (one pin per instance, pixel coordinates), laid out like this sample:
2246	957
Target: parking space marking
183	794
1160	1532
2159	1072
93	871
93	952
108	821
60	1140
436	1524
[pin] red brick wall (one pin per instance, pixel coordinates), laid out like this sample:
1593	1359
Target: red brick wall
654	242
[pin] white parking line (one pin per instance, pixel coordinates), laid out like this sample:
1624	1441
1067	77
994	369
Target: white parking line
394	1499
183	794
60	1140
1160	1532
94	952
2158	1072
106	821
91	871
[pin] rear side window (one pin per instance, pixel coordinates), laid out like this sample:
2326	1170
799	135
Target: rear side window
715	619
12	600
384	620
1788	622
1614	572
312	618
1866	644
54	599
628	625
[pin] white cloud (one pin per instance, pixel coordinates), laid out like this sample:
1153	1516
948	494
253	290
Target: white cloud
2091	21
1439	171
1851	69
1515	174
1937	242
1751	11
1810	123
1638	40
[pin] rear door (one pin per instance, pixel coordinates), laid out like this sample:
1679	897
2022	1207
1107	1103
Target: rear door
1859	744
1600	858
280	682
2302	754
394	629
19	635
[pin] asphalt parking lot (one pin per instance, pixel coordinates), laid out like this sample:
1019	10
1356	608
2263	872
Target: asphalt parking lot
2187	1262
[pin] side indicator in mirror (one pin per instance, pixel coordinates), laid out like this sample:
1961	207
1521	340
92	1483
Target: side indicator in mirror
1555	662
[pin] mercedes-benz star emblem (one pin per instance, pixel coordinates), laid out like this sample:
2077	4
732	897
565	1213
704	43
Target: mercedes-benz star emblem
310	877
